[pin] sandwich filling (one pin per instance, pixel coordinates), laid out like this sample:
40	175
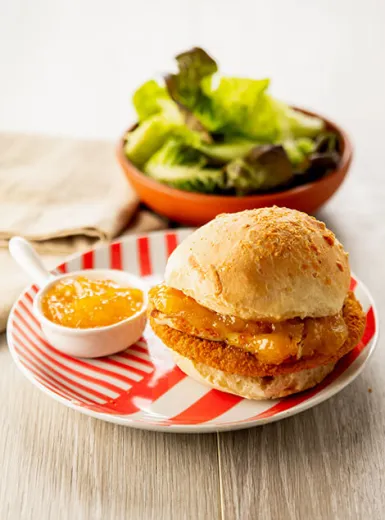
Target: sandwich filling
272	343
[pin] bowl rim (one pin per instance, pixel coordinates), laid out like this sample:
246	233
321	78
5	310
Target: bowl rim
346	159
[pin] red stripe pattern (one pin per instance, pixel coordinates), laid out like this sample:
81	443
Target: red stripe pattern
172	242
144	256
88	260
62	268
142	383
210	406
116	256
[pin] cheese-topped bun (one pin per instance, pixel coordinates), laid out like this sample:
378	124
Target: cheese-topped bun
263	264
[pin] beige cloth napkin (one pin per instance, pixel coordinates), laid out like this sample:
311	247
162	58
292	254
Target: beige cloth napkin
65	195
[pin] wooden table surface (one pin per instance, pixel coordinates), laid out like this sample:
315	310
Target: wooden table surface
326	463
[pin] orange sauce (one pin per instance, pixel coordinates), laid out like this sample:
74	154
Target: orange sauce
82	303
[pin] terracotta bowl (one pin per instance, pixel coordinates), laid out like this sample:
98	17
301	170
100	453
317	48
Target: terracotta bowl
195	209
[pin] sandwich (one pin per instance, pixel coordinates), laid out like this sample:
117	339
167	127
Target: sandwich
257	303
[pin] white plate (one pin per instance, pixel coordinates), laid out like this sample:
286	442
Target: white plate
142	387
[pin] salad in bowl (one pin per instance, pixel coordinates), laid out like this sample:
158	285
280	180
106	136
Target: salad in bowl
199	131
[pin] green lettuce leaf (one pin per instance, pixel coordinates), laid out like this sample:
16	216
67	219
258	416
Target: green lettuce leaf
302	125
265	167
194	125
298	150
293	124
185	86
326	154
240	106
232	148
142	142
159	118
327	142
151	134
150	99
180	166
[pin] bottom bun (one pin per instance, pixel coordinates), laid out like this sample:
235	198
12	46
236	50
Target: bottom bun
269	387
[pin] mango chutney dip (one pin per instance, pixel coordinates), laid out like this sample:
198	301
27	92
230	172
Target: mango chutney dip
82	303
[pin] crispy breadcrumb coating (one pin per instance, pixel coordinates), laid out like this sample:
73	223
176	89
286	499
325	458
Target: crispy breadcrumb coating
235	360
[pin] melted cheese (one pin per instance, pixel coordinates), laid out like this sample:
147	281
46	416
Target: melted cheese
272	342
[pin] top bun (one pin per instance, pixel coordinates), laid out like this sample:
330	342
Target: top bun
263	264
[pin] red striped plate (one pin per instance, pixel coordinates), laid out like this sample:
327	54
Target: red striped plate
142	387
